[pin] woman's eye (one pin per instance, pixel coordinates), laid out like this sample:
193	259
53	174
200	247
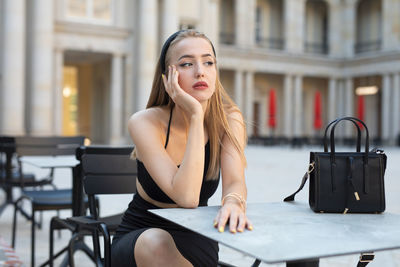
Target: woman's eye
185	64
209	63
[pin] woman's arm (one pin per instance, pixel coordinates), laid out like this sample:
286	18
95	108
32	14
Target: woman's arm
233	181
181	184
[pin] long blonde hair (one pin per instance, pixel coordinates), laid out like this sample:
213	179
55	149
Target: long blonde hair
215	116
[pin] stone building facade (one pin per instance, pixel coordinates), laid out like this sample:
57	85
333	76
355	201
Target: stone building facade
84	66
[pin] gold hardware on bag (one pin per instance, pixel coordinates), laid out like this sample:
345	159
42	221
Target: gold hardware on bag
311	167
345	210
357	196
367	257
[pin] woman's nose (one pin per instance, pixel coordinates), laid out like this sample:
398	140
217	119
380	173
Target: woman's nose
199	71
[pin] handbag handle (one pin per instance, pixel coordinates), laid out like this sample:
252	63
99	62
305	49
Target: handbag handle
358	149
365	157
332	153
332	137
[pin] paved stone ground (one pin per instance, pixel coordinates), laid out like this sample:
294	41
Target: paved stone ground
272	173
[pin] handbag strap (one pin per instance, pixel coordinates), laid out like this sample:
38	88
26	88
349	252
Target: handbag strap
332	137
365	156
358	148
303	182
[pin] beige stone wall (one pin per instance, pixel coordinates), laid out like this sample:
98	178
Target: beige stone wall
133	36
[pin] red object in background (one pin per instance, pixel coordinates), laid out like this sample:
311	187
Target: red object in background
360	109
272	109
317	111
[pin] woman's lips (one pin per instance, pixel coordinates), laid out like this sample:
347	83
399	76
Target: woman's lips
200	85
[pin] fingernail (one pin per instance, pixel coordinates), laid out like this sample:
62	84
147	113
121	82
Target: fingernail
221	229
215	223
240	230
162	75
233	231
250	227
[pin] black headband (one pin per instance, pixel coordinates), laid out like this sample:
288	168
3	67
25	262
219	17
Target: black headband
166	46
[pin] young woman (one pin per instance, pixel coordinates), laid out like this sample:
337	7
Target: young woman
190	132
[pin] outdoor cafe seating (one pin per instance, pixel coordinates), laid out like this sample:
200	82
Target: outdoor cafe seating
40	199
11	174
104	170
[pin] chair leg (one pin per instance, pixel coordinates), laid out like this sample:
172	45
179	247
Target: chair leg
33	238
107	246
14	227
51	249
71	250
96	247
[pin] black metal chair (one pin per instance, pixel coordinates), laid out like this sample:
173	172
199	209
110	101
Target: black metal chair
105	170
43	200
11	175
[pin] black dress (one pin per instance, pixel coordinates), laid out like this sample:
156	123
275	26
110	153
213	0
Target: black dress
198	250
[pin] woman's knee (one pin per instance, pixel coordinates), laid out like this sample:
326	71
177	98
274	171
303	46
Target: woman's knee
154	244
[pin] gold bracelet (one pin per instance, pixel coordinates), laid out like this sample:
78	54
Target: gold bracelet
238	197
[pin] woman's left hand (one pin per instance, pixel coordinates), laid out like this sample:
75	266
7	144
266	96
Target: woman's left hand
233	213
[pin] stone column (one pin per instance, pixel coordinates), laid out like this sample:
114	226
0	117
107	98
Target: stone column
340	99
208	23
294	25
348	104
58	88
213	31
239	89
170	20
116	99
390	24
13	68
385	104
249	102
251	22
298	106
129	93
264	128
331	99
288	104
334	28
396	106
240	23
41	68
340	105
147	51
349	31
245	22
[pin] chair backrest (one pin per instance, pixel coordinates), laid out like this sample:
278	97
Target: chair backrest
7	149
47	145
7	144
106	170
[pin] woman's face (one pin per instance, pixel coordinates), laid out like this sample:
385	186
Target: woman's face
194	60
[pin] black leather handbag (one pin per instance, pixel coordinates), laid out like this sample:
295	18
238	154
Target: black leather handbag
342	182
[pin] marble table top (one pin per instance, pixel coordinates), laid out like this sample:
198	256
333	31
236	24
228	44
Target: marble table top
292	231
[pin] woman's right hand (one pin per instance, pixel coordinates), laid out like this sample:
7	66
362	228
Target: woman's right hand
181	98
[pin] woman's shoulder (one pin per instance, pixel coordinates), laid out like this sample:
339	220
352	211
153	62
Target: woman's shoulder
233	114
150	117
